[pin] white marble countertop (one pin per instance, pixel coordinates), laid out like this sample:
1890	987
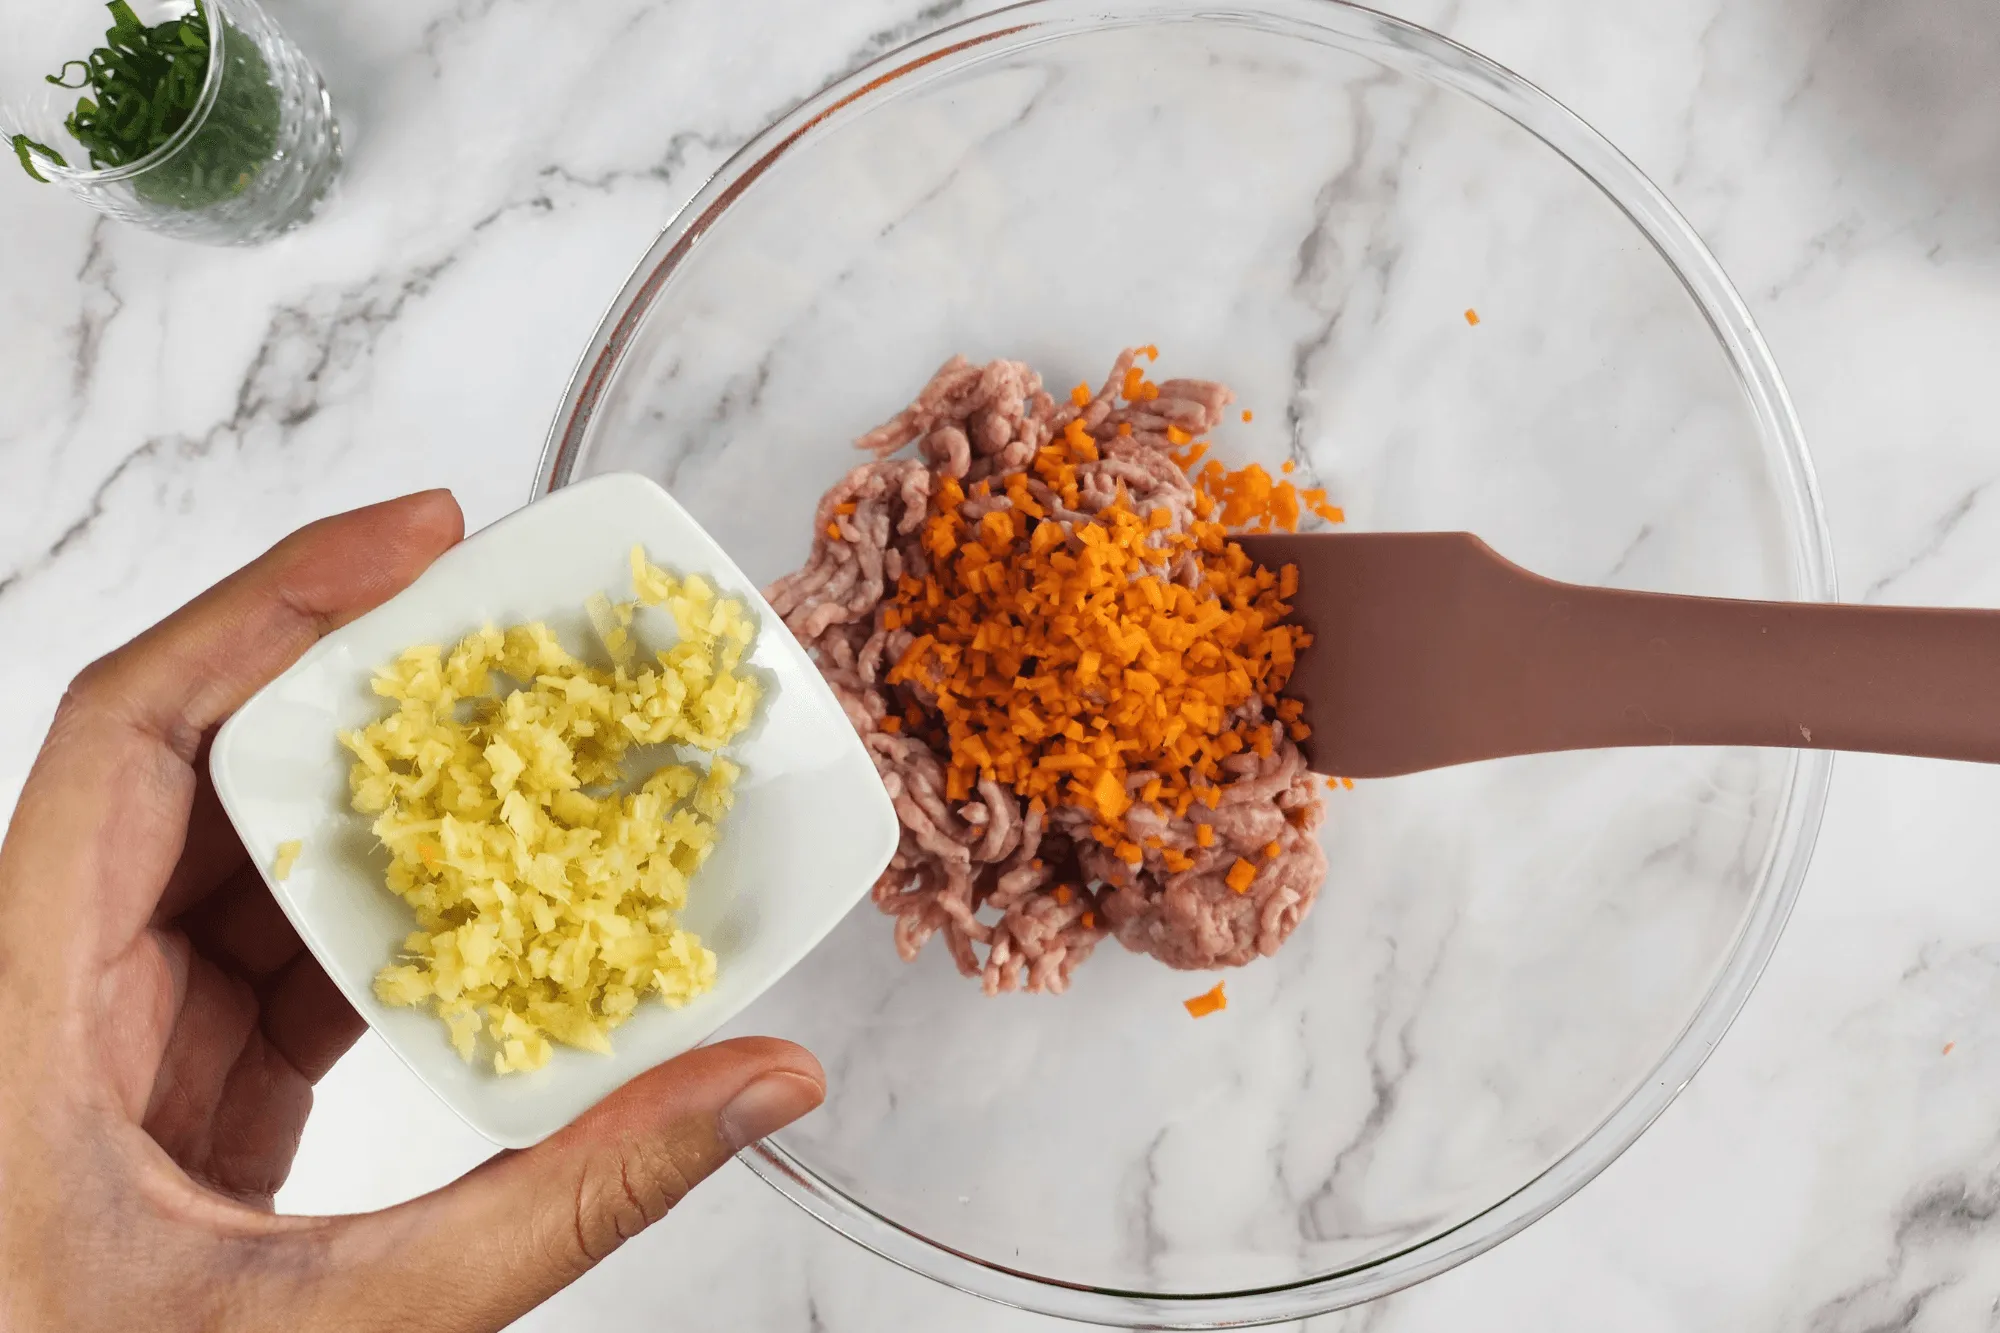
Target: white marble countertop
169	411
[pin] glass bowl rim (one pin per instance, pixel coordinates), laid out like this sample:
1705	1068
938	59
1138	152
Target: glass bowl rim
1419	52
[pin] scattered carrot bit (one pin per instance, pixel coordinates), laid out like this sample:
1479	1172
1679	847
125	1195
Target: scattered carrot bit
1248	415
1472	317
1271	850
1206	1003
1090	921
1333	784
1080	395
1125	429
1348	783
1204	835
1948	1046
833	531
1062	895
1150	352
1240	876
1175	435
1289	466
892	725
844	508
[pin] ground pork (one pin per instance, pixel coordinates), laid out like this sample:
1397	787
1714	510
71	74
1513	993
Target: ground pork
992	875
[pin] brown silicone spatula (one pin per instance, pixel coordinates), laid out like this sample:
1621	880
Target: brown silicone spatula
1429	649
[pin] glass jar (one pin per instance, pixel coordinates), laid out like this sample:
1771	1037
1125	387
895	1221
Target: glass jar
254	158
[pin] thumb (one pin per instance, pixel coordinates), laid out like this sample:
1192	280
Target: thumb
484	1250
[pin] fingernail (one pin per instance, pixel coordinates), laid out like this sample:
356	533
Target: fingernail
765	1107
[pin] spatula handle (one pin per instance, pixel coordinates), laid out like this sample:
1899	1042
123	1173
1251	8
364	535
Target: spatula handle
1432	650
1613	668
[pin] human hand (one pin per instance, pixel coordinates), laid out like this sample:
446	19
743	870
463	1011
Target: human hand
163	1026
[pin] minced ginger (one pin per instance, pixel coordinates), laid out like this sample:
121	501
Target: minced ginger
546	897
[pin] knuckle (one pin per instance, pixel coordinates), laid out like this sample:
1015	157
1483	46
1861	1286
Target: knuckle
86	688
622	1191
114	690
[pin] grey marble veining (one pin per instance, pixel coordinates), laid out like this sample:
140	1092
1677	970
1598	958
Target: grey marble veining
1832	1170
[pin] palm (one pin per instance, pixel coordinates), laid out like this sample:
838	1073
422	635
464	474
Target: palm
224	1083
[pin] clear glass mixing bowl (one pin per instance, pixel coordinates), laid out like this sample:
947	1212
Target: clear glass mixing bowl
1513	967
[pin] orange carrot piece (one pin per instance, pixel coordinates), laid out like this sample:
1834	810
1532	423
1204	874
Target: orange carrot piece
1208	1002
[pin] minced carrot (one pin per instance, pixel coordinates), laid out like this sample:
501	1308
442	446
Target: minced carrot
1348	783
1062	895
892	725
833	531
1248	415
1090	921
1021	629
1204	835
844	508
1271	850
1241	876
1080	395
1472	318
1206	1003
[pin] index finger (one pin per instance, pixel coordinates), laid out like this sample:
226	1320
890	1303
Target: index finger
195	668
105	807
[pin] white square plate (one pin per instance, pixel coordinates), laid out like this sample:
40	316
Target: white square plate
811	829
